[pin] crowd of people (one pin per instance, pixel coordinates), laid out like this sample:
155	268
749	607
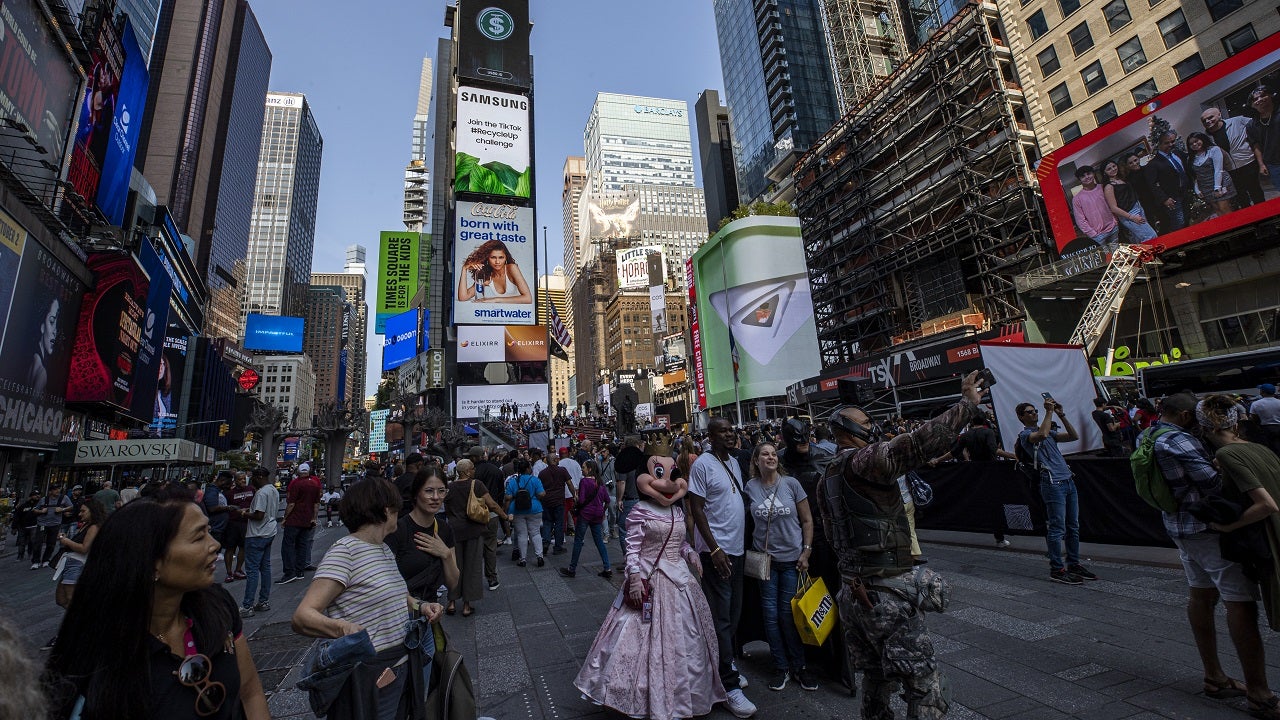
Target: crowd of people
718	531
1218	169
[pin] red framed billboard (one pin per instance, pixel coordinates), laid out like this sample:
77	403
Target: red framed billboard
1179	168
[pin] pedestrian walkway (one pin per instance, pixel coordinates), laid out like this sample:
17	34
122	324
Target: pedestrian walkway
1013	645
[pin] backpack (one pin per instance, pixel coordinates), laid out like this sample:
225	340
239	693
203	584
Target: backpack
1147	478
1028	463
524	499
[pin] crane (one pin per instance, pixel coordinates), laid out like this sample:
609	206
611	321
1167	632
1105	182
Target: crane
1104	306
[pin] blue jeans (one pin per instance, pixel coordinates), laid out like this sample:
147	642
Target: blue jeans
553	525
597	533
295	549
1273	174
1062	514
622	523
257	565
779	626
1138	232
1107	237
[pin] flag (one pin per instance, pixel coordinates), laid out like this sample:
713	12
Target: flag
733	353
558	330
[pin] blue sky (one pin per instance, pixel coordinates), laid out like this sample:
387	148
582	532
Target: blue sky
360	70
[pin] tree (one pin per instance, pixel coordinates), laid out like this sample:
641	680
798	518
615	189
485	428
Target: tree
334	424
266	422
777	209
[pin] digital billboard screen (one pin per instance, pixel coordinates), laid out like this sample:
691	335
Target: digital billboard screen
494	261
273	333
125	129
109	333
474	400
399	274
97	111
753	302
402	339
173	365
493	41
493	149
1178	168
36	339
151	340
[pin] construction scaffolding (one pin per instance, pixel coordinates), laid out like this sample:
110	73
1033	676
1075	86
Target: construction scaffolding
921	202
866	42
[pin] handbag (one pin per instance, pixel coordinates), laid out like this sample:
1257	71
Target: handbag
756	564
813	609
477	511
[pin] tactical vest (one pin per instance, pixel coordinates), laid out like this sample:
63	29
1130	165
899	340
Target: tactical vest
870	541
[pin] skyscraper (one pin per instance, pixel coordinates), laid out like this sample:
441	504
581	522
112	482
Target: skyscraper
417	179
353	281
327	311
575	179
179	139
715	154
777	82
223	242
282	231
552	291
442	155
638	140
145	16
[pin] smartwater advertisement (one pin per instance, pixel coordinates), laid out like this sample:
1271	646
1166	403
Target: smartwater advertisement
493	257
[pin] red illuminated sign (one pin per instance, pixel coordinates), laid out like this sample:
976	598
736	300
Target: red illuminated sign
249	379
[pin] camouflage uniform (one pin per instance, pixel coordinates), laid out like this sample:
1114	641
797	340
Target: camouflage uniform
888	642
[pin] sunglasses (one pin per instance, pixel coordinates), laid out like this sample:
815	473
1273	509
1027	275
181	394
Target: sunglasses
194	672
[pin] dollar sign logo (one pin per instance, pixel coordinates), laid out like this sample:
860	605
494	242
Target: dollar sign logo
495	23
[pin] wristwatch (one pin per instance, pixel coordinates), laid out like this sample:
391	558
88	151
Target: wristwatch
806	547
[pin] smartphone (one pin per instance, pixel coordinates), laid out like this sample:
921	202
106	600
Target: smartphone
988	377
1047	396
386	678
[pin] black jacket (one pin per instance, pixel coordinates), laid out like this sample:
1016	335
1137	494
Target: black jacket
1163	179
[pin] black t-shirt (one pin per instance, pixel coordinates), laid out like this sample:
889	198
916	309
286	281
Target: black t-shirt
981	444
172	699
1103	419
492	478
554	480
413	562
455	506
404	484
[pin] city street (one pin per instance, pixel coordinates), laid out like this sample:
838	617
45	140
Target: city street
1013	644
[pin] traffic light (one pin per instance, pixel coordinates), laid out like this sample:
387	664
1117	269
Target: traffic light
223	429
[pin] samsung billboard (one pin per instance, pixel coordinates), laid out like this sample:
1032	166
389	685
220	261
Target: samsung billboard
1180	167
273	333
493	149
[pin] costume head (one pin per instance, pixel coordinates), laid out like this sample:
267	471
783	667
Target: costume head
795	433
659	480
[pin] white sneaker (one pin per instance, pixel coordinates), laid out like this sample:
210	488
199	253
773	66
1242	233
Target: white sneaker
1003	543
739	705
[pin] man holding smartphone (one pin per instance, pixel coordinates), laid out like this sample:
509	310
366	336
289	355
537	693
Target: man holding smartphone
1040	438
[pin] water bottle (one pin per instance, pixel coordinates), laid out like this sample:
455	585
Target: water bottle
479	290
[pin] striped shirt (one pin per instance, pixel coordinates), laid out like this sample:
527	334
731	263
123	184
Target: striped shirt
373	592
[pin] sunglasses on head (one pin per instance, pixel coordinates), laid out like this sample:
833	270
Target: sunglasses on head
195	672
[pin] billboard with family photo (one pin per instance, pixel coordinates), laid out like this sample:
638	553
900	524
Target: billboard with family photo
1195	161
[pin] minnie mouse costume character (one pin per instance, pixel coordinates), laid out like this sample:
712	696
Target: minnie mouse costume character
656	654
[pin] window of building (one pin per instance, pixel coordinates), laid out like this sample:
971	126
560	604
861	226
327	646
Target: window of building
1070	132
1048	59
1131	55
1105	114
1117	14
1239	40
1060	98
1173	28
1037	24
1081	39
1144	92
1093	77
1189	67
1219	9
1068	6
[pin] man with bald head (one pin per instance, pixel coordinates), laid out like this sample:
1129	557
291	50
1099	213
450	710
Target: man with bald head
1232	135
883	595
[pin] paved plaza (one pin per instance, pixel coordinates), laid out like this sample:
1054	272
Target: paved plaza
1013	644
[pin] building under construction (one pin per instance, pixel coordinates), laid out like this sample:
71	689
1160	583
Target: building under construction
920	204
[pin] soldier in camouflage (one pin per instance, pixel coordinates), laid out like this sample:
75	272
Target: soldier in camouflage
883	596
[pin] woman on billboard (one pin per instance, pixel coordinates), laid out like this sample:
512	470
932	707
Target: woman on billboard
1209	169
1122	198
490	275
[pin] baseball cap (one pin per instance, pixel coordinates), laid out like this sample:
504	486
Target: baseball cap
563	451
304	468
1267	388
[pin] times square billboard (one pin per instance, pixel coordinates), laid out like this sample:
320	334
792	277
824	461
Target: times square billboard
493	41
1161	169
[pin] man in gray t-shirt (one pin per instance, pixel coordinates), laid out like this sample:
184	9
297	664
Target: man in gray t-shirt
715	502
1266	410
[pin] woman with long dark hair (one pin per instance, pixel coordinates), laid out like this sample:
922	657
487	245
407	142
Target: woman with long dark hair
149	634
1211	173
490	275
75	552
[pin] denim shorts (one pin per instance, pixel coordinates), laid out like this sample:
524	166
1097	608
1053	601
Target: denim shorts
1206	568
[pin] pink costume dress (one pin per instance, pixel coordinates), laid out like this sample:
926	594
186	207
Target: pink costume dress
666	668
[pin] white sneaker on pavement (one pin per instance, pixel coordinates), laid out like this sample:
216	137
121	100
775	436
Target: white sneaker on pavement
739	705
